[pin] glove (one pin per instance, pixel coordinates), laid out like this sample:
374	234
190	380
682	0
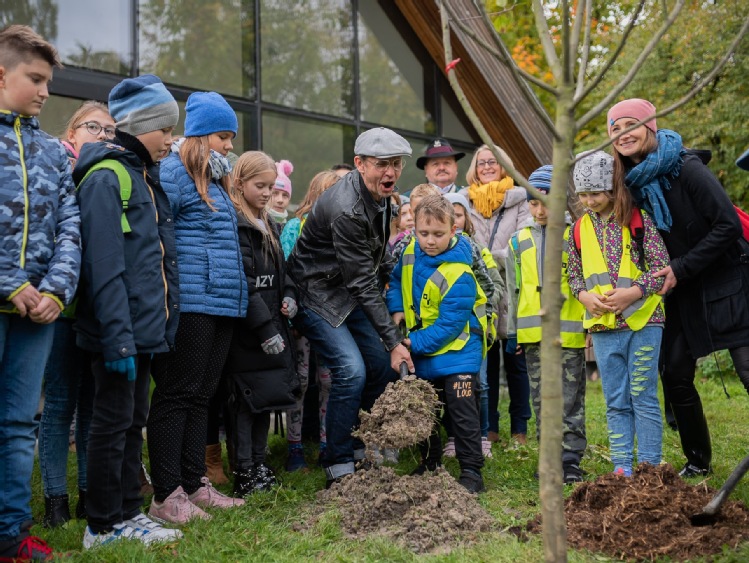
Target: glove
512	345
489	337
123	366
274	345
290	306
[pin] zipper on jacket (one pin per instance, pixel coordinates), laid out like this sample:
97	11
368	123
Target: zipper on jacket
161	245
17	129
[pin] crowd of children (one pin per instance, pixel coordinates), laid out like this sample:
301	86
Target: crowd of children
166	260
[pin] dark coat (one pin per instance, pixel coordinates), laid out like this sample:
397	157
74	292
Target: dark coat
339	261
129	290
709	258
266	381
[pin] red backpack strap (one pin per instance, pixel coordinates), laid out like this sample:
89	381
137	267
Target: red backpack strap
576	234
635	223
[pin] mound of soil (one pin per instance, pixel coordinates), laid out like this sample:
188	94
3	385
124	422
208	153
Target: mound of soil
648	516
427	513
402	416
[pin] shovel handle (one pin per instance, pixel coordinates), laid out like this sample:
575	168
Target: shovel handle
403	370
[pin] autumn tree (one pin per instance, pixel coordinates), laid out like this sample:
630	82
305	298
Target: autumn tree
577	72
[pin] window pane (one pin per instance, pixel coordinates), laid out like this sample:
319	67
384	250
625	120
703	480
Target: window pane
391	76
307	55
452	125
87	33
203	45
55	114
310	145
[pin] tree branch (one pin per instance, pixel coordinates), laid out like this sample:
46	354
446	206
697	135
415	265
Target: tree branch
606	102
692	92
569	42
472	117
552	59
582	71
610	62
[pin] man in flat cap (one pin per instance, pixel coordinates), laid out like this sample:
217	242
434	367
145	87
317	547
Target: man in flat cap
440	165
339	268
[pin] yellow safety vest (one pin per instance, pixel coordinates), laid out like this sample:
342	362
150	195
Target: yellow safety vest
438	284
490	263
572	333
598	281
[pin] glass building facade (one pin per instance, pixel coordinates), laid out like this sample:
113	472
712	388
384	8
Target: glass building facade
305	76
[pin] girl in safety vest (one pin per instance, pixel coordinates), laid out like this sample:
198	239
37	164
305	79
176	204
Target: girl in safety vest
624	313
525	280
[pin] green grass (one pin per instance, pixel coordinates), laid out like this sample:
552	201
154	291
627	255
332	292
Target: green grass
268	527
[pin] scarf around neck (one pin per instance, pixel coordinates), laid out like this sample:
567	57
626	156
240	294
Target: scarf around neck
218	163
277	216
486	198
650	178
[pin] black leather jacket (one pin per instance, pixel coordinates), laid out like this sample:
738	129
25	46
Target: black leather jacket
340	261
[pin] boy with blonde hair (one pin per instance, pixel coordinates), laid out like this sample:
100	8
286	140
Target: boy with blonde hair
40	262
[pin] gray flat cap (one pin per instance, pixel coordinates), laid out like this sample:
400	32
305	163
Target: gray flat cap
594	173
381	143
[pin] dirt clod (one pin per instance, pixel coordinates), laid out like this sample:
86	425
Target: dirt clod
427	513
647	516
402	416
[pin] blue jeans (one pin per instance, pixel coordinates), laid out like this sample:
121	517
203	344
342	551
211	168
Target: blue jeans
518	387
360	370
628	363
24	348
68	390
484	399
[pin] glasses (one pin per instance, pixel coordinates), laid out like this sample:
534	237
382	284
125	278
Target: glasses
95	128
382	165
484	163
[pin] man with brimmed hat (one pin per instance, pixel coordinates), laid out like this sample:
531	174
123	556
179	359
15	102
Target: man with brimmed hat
440	165
339	267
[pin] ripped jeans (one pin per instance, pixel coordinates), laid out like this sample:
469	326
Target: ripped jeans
628	363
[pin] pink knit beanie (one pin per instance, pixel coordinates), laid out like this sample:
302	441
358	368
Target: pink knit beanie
636	109
284	168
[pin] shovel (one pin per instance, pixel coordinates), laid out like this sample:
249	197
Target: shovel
403	370
711	509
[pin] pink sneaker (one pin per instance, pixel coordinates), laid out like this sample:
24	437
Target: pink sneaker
486	447
176	509
208	497
449	450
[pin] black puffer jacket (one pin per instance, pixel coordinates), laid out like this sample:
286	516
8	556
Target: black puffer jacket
710	260
339	261
266	381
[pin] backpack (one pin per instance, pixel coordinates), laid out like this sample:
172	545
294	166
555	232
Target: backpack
126	185
637	230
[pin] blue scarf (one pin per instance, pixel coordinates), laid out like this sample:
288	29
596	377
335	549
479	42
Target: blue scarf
649	178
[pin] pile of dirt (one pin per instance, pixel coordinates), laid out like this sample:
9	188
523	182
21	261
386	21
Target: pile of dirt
402	416
429	513
647	516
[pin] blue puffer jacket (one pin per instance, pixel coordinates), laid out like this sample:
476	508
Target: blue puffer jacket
39	218
129	298
211	275
455	309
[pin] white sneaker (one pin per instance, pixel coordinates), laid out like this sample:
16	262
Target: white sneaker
152	532
120	531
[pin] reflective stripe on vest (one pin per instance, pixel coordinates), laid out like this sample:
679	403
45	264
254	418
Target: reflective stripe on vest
598	281
438	284
572	334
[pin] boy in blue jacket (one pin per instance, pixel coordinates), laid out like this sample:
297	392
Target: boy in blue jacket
128	304
39	265
435	292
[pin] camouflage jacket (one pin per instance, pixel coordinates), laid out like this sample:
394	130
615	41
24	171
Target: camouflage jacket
39	217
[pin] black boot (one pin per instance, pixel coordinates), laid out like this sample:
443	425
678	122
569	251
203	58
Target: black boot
56	511
80	508
244	482
695	438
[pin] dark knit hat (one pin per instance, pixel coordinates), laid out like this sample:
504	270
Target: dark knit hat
438	148
541	179
743	160
141	105
208	112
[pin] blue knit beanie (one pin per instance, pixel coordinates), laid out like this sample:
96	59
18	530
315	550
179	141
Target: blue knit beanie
141	105
208	112
541	179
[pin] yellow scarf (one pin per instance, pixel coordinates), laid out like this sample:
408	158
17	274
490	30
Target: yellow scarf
488	197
